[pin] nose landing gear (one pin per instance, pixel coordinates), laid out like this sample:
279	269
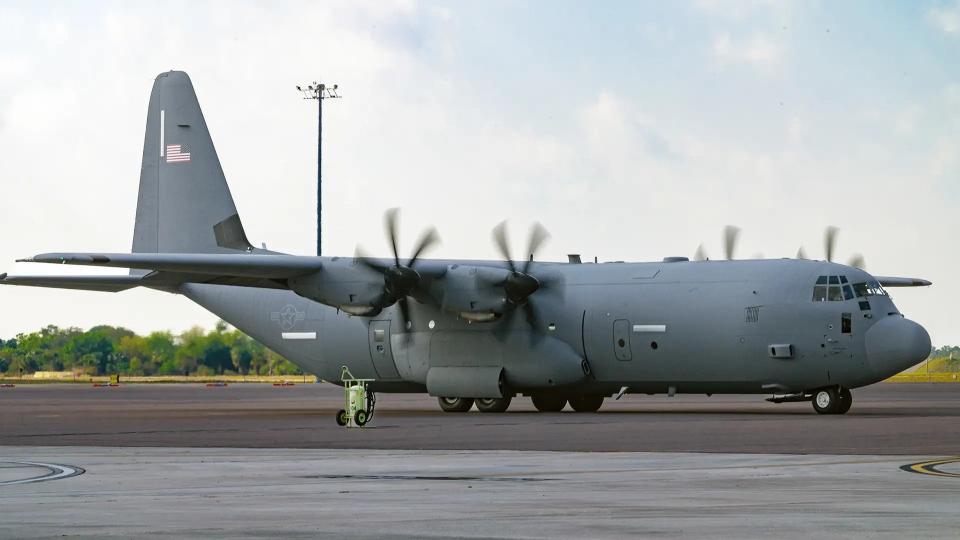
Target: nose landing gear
832	400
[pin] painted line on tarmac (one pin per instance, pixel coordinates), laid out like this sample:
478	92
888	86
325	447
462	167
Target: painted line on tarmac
54	472
931	468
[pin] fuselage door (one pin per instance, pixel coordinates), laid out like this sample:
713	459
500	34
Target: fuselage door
621	339
380	351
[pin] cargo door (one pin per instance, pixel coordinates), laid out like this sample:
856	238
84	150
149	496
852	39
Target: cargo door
380	351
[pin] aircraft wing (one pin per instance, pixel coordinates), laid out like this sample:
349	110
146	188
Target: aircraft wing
888	281
244	265
85	283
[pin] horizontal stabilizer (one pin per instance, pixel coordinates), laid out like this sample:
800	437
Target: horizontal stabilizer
84	283
902	282
228	265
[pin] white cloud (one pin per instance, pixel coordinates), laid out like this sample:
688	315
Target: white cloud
737	9
758	50
905	121
946	17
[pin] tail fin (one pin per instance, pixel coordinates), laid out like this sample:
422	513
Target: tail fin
184	205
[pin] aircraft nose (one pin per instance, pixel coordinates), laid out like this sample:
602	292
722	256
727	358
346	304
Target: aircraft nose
894	344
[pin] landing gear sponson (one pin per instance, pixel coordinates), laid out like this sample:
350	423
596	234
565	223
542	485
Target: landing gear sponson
542	403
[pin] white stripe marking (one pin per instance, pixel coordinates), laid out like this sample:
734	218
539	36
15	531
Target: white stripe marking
161	131
299	335
649	328
56	473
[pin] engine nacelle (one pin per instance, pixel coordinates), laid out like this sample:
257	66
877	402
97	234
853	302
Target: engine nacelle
343	283
474	293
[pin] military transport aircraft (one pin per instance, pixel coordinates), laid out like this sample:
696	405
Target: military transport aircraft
482	332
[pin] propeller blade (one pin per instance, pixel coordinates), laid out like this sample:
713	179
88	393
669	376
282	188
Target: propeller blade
533	319
362	258
503	244
730	234
506	322
390	223
427	240
538	234
801	253
829	241
405	320
857	261
700	254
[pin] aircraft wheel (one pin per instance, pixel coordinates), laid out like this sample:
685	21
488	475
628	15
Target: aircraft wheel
846	400
826	400
493	404
586	403
548	403
341	417
455	404
360	418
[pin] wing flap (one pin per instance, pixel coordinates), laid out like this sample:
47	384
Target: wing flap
83	283
245	265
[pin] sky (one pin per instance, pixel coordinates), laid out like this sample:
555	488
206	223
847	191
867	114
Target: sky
630	130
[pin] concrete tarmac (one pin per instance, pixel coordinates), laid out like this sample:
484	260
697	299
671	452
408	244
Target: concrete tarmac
906	419
384	494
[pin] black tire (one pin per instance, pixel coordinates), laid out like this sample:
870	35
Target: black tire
846	400
493	404
826	400
341	417
586	403
548	403
360	418
461	404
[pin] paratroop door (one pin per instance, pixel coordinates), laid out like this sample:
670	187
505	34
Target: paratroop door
621	339
380	350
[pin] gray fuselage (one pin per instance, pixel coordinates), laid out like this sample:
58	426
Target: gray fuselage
705	327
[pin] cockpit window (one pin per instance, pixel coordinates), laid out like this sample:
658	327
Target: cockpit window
838	289
835	294
869	288
819	293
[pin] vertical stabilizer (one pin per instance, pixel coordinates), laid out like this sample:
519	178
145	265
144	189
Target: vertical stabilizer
184	204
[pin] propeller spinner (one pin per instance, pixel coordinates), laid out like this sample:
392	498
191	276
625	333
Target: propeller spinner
399	280
520	285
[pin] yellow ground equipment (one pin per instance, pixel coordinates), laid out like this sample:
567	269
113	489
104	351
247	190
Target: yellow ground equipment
359	402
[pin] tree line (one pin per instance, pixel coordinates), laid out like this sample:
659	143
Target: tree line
104	350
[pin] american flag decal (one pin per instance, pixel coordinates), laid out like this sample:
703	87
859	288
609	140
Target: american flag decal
175	154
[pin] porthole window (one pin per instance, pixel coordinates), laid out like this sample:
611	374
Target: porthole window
621	343
653	345
431	324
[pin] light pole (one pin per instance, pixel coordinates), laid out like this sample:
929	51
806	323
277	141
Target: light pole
319	92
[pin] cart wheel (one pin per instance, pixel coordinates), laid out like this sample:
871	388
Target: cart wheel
341	417
360	417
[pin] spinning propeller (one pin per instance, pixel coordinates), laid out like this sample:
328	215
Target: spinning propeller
829	243
730	235
399	280
520	284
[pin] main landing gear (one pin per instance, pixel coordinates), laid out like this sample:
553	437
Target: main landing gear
832	400
460	405
548	403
